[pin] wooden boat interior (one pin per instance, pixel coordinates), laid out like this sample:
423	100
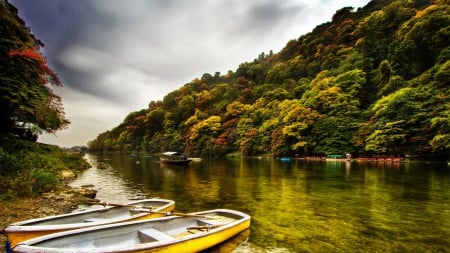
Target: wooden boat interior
99	214
133	233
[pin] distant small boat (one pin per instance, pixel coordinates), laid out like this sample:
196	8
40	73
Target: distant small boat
175	158
189	233
24	230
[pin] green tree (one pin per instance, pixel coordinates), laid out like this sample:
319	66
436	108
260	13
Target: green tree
154	120
420	40
297	123
396	106
27	99
278	73
334	135
236	109
441	140
171	138
393	120
387	139
202	134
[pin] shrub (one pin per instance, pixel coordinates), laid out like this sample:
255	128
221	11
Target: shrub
42	180
9	164
28	168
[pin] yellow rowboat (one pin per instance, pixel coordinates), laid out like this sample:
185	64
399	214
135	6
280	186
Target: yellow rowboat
231	244
137	210
188	233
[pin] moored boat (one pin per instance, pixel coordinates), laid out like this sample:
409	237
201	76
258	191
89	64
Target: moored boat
175	158
285	159
137	210
188	233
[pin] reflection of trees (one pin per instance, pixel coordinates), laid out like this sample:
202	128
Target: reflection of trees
380	206
276	202
314	206
206	189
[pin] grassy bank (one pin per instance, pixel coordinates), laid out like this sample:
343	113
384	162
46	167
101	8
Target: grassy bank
33	179
28	168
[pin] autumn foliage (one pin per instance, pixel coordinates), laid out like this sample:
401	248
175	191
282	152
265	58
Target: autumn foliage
371	82
29	53
28	102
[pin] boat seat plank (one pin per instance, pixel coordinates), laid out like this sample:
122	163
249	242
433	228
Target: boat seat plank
154	234
203	222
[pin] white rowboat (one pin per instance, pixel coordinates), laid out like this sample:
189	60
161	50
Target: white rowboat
188	233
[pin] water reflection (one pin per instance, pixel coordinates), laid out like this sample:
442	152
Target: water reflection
110	182
299	206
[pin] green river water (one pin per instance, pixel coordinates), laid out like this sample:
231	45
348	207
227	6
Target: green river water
297	206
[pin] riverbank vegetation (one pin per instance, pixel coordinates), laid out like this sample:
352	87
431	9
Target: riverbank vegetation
29	108
33	179
29	168
371	82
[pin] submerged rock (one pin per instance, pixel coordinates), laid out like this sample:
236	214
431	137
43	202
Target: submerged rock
102	166
85	192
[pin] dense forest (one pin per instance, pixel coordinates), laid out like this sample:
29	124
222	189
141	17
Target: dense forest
372	81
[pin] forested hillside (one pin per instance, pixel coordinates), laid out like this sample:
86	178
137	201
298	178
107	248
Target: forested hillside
372	81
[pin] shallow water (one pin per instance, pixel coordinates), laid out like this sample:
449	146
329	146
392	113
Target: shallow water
297	206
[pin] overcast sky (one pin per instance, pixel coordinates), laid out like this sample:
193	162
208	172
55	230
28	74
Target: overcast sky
115	56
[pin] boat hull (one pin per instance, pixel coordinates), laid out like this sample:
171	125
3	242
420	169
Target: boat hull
25	230
175	158
167	234
176	162
199	244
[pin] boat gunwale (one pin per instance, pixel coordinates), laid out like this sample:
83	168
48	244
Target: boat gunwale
22	226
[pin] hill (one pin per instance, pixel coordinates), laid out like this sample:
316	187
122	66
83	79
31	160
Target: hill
372	81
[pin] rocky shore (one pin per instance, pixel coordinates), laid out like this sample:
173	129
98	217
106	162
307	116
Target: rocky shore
62	201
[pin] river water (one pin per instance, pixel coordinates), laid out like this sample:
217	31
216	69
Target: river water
296	206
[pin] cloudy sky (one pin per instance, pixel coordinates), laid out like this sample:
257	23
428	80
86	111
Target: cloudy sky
115	56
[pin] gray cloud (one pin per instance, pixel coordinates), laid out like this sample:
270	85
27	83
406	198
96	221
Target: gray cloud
115	56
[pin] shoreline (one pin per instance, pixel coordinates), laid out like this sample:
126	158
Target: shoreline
61	201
